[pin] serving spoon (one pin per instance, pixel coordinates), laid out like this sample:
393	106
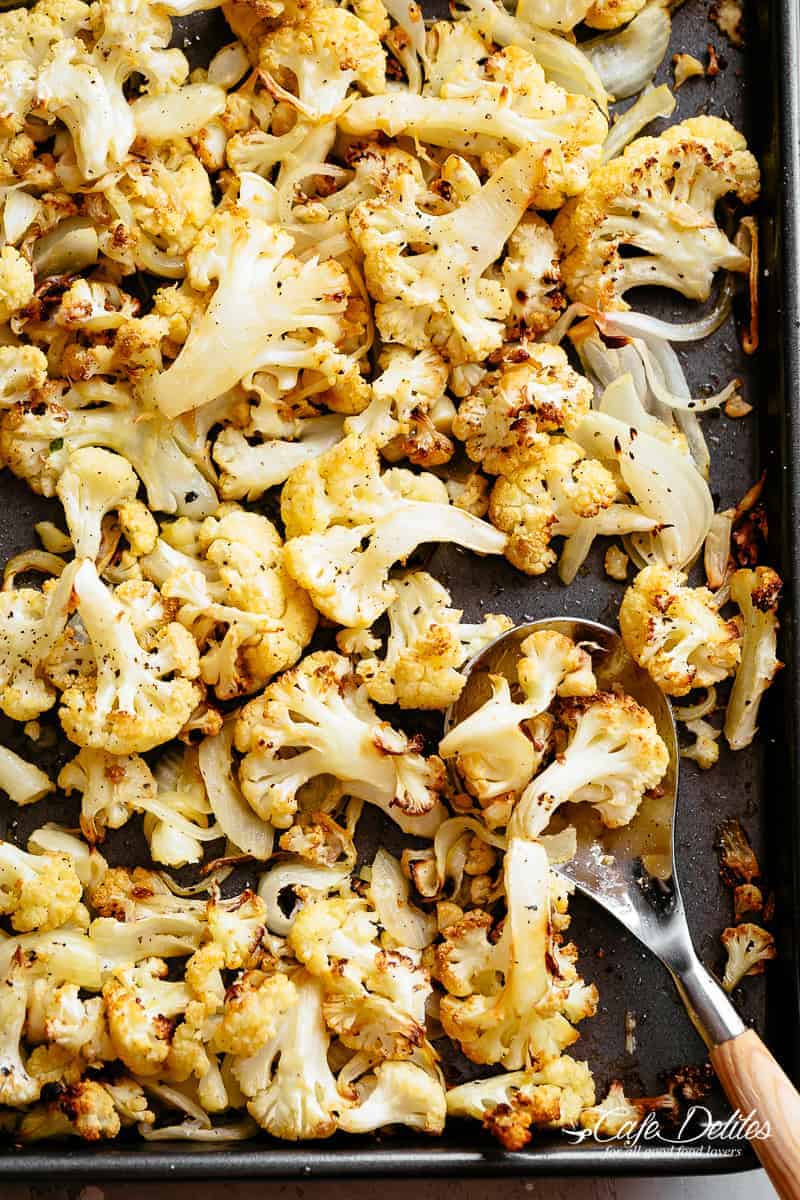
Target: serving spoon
631	873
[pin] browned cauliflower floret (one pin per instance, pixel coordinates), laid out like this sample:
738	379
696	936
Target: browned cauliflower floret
141	1006
659	197
16	282
38	891
513	998
749	949
676	632
130	686
233	593
555	490
426	645
534	391
84	1109
757	593
254	1006
321	712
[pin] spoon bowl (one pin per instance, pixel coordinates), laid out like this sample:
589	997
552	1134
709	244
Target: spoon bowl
632	873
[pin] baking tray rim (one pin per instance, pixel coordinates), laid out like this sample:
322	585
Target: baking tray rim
254	1160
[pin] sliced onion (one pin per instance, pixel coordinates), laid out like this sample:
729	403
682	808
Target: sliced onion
213	880
627	59
190	1131
717	550
389	891
70	247
654	102
694	712
237	820
291	875
635	324
19	213
32	560
90	866
22	781
168	816
176	1099
556	334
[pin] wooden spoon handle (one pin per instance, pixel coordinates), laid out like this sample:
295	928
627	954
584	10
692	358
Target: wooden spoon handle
755	1083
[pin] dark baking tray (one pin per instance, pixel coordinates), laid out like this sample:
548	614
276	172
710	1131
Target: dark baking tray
758	90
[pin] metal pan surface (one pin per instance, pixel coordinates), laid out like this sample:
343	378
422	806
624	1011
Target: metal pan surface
758	90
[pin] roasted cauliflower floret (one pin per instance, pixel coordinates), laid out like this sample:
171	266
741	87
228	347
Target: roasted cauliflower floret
16	283
427	272
658	197
400	1093
512	1104
290	1089
535	391
38	891
313	60
409	414
255	1006
426	645
374	998
553	489
757	593
614	755
268	310
347	525
247	615
31	623
38	436
320	711
84	1109
93	483
749	949
676	632
141	1006
17	1085
130	687
238	928
485	107
517	996
499	747
112	788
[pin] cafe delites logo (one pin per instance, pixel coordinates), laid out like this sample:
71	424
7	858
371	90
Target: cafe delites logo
699	1125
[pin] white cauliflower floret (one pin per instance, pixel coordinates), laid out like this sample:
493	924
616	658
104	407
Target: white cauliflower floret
248	470
321	712
141	1006
513	1000
16	283
23	370
38	436
83	1109
704	750
532	274
499	747
510	1105
409	413
401	1093
535	391
93	483
290	1089
749	949
553	489
130	686
57	1015
269	311
426	645
659	197
312	60
374	998
485	109
149	213
38	891
334	505
757	593
427	272
30	625
17	1086
676	632
247	615
613	757
112	788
